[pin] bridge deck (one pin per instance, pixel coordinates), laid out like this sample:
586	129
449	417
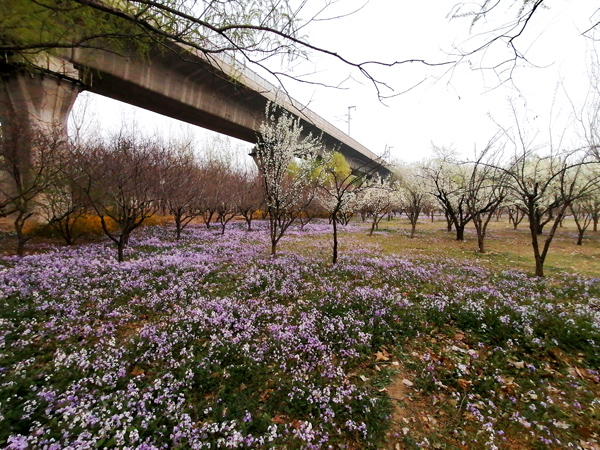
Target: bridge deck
219	95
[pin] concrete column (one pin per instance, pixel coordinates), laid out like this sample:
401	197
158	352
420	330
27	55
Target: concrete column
40	100
34	107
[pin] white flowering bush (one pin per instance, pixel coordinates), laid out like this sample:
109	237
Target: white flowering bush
287	159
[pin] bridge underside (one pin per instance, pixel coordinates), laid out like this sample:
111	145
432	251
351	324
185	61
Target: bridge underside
186	87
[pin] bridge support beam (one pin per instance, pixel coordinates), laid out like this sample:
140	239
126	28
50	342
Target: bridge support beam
38	100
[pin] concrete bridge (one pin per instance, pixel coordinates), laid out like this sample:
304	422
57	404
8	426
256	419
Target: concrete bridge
214	94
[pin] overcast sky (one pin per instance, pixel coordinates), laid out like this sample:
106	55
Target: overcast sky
449	108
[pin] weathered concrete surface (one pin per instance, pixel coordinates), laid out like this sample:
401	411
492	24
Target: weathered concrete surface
43	99
34	108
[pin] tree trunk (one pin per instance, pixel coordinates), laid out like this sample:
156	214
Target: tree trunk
480	243
178	227
539	261
335	243
539	267
21	237
539	229
460	232
21	247
582	223
208	218
68	232
120	247
413	227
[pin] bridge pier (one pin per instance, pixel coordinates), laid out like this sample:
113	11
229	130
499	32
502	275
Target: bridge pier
34	108
39	100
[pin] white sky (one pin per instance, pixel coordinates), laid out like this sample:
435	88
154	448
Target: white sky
448	109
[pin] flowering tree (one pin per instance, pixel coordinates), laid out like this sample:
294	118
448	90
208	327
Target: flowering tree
448	180
414	194
544	185
377	200
339	190
286	160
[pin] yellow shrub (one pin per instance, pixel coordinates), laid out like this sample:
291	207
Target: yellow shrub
85	225
89	224
156	220
33	227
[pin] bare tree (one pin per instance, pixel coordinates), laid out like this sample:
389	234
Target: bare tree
515	215
582	216
29	162
64	203
501	32
182	187
312	208
226	205
249	195
121	179
286	162
214	173
486	190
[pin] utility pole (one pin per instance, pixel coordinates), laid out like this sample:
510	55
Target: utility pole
350	117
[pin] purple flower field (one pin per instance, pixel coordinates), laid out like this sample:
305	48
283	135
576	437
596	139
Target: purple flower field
209	343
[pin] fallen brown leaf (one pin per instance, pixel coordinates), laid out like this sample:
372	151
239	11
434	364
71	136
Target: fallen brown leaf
279	419
137	371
